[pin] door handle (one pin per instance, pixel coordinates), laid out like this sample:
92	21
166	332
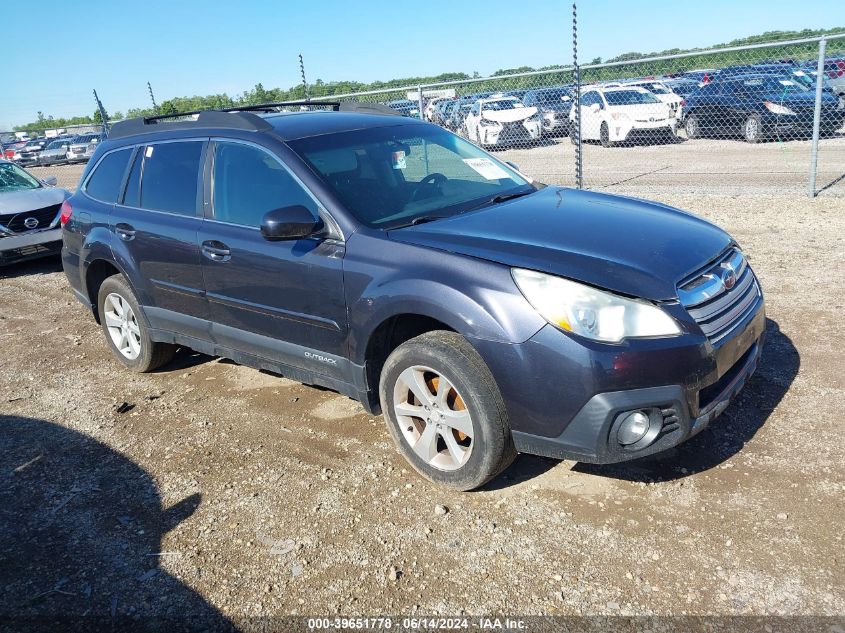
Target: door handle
216	251
125	231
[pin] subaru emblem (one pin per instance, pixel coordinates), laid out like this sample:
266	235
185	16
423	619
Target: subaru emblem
30	223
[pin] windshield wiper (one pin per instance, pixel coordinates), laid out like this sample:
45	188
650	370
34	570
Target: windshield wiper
502	197
420	220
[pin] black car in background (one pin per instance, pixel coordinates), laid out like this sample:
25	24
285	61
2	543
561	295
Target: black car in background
757	107
405	107
554	105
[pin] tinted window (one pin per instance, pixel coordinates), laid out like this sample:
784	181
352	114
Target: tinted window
104	183
248	183
170	177
629	97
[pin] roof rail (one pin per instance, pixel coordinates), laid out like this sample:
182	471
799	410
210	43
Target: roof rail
239	117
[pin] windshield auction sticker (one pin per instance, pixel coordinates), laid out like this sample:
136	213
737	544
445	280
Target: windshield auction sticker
486	168
398	159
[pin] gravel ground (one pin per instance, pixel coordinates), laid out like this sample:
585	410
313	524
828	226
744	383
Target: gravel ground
210	492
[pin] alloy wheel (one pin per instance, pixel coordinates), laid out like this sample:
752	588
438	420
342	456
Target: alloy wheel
122	325
433	418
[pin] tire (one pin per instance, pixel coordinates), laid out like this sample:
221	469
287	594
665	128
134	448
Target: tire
463	461
691	126
752	129
573	134
140	353
604	135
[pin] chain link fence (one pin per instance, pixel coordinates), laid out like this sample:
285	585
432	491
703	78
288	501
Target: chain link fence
733	120
738	120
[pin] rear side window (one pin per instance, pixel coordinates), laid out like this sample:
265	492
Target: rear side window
170	174
104	184
248	183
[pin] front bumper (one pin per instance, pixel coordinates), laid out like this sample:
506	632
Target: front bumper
512	133
567	397
16	248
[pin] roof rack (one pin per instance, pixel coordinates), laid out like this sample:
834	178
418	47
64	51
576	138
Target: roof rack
239	117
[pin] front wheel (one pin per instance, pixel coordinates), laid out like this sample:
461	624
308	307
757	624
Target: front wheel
444	411
604	135
126	330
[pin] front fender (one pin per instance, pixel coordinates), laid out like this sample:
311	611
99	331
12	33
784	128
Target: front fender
474	297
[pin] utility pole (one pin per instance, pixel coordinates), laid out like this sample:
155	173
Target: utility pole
103	114
152	97
304	83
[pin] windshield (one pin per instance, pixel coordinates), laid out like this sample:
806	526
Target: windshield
770	85
57	144
503	104
13	178
629	97
85	138
552	97
657	89
389	176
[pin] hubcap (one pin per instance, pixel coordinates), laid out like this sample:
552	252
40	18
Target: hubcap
433	418
751	128
122	326
691	125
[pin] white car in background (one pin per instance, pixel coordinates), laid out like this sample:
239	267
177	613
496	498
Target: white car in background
428	110
662	92
498	121
622	114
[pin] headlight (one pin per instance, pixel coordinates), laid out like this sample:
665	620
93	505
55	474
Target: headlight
592	313
776	108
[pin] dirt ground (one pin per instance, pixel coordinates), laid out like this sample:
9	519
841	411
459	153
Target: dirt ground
213	493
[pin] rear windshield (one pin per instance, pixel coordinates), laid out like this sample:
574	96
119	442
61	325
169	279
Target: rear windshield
629	97
504	104
769	85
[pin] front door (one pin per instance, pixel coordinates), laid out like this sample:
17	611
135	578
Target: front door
279	300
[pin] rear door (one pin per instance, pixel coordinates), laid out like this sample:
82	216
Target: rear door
156	225
278	300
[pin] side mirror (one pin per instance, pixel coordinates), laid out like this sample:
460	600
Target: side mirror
289	223
50	181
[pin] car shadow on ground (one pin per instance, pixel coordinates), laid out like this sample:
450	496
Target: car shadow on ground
40	266
81	528
727	434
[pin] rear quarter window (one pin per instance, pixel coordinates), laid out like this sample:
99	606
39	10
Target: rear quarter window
107	177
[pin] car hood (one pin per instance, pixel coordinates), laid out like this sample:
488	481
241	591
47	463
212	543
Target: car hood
629	246
31	199
509	116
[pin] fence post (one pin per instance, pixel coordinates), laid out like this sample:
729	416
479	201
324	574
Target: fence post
420	102
579	167
817	115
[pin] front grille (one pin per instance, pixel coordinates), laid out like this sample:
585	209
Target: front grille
721	296
45	217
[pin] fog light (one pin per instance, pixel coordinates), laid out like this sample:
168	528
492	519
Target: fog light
633	428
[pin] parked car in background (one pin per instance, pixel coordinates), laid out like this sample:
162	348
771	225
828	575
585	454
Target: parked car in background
554	105
701	75
834	73
623	115
29	214
481	313
82	147
662	92
428	110
501	121
9	149
458	113
55	152
28	154
405	107
439	114
519	93
681	86
758	107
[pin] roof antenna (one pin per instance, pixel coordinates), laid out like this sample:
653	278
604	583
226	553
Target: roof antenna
152	97
304	83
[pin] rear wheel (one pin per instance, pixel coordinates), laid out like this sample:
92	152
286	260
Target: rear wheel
444	411
126	330
753	129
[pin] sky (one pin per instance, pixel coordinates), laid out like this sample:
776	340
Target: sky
188	47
